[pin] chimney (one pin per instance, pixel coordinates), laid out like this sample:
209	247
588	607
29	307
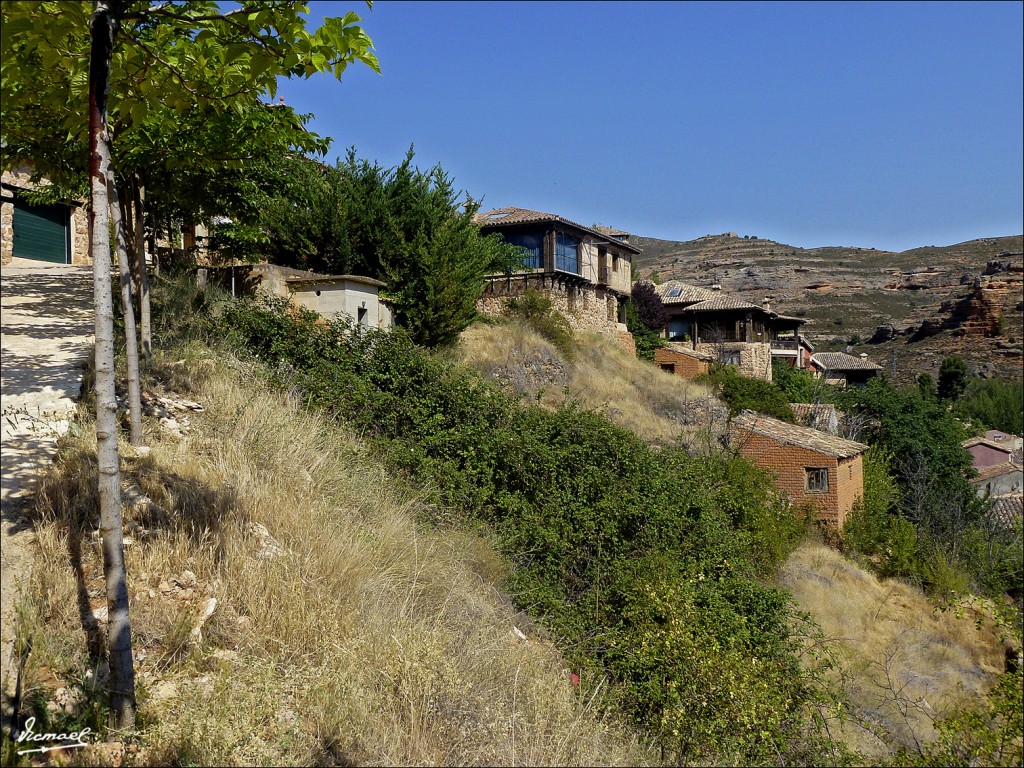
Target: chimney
864	356
766	304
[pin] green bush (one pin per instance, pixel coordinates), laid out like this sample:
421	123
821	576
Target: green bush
647	341
741	392
534	308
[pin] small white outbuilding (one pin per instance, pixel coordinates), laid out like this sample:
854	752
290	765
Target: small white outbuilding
335	295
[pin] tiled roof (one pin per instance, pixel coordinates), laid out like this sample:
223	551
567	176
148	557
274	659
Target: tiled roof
996	470
684	349
802	437
815	415
720	303
840	361
973	441
513	215
1008	509
687	294
611	231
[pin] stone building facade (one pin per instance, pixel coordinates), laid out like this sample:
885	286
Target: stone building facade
586	272
72	215
811	467
729	330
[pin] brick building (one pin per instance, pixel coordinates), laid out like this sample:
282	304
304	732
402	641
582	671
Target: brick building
810	466
681	360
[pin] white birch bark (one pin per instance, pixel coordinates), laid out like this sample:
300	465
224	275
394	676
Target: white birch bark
130	335
119	640
145	321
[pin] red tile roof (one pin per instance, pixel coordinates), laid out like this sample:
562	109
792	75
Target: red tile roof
840	361
802	437
512	215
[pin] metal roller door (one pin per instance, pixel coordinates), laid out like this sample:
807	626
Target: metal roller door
41	232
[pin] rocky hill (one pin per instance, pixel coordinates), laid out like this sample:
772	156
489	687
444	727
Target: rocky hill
916	306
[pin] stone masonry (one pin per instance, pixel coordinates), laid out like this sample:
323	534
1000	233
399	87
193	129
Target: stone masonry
20	177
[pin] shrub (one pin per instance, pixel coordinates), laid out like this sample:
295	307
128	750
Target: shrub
535	309
741	392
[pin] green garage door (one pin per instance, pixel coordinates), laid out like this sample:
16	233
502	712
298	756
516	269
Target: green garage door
41	232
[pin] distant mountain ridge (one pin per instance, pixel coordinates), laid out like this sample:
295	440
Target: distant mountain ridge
846	293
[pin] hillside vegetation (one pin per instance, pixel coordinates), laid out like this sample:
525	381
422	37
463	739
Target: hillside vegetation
345	631
600	376
347	550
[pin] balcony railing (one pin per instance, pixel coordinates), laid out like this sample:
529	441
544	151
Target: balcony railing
789	344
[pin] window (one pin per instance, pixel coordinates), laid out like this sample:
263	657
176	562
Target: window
678	328
675	292
817	479
567	253
533	244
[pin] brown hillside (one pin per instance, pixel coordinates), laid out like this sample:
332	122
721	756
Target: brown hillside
849	292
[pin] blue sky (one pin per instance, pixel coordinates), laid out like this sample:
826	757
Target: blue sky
886	125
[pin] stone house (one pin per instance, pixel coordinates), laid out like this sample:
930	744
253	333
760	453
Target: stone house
729	330
586	272
843	370
998	463
811	467
57	233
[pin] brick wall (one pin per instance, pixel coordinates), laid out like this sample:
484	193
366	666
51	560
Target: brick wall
789	463
682	365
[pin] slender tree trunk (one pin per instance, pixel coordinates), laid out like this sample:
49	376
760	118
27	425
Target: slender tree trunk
128	218
145	322
119	637
130	335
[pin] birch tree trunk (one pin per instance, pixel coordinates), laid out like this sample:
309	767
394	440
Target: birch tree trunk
130	335
145	323
119	639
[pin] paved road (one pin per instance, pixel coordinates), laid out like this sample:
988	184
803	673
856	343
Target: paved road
47	324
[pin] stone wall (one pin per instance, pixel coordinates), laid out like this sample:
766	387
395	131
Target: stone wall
755	357
587	308
789	463
20	177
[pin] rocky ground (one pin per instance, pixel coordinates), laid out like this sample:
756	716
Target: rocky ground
47	336
917	305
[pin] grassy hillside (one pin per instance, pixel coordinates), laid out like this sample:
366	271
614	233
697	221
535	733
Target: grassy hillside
344	631
302	594
600	376
904	664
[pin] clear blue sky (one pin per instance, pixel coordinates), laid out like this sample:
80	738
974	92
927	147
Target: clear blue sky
886	125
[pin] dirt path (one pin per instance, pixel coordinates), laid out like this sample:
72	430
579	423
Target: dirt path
47	324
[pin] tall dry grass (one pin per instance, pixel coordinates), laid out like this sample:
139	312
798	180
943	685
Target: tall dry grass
632	393
344	632
906	662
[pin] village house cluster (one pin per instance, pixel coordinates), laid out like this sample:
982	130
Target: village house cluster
587	272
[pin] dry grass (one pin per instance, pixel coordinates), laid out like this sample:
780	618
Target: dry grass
907	662
632	393
354	636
